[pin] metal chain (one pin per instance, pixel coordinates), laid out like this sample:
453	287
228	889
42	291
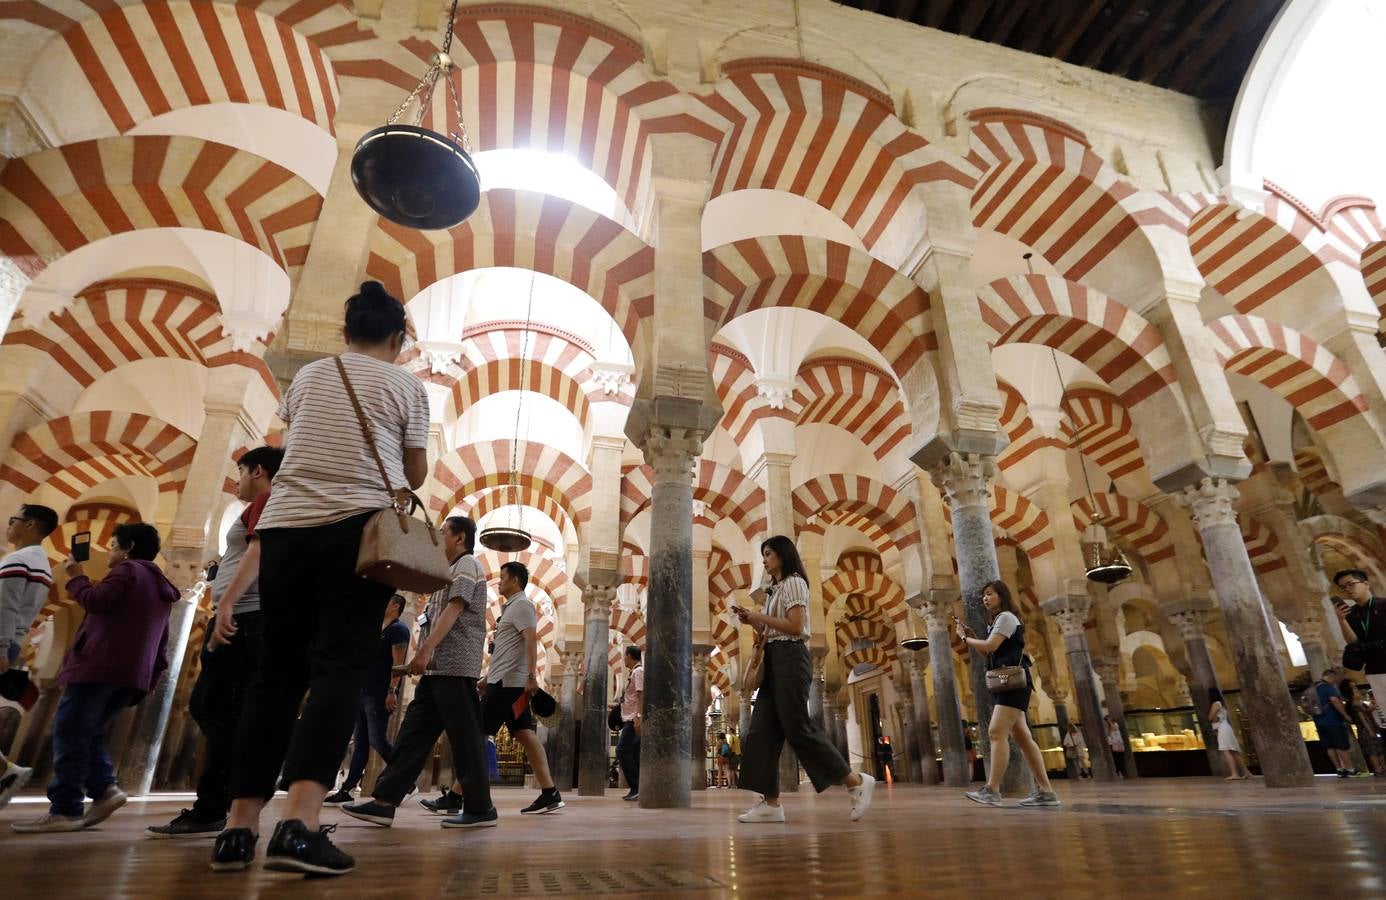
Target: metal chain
424	82
520	405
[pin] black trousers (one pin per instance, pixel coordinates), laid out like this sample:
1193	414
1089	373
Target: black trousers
628	754
781	714
321	630
216	702
441	704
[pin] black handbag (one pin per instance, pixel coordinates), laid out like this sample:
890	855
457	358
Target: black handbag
1355	656
13	684
613	718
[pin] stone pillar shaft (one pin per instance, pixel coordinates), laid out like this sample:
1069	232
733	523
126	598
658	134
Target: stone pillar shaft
1273	720
561	760
698	714
1109	671
1205	679
1072	617
956	772
923	726
595	749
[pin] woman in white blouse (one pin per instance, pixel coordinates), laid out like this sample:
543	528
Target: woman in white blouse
780	712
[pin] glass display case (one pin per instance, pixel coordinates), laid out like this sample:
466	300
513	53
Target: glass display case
1051	746
1163	729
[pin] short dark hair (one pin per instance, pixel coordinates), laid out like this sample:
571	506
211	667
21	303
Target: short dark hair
139	539
266	457
373	315
790	563
464	526
1353	573
397	600
1329	671
633	651
43	516
520	572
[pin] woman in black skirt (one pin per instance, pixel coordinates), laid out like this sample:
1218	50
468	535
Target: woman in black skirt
780	712
1004	645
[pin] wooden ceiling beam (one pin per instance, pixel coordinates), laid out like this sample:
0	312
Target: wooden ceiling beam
1001	32
1234	17
905	9
972	15
1113	30
1079	18
1037	32
1165	55
1147	34
937	12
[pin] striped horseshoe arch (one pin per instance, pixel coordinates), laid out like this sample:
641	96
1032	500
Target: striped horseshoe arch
79	452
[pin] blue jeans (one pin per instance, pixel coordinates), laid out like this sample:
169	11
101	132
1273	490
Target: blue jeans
371	722
81	760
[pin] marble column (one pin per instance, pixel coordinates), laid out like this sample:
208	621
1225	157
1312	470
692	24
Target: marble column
664	744
1272	718
561	759
907	755
830	724
923	724
1059	697
595	752
1189	621
1109	671
1071	611
698	714
844	746
956	772
815	701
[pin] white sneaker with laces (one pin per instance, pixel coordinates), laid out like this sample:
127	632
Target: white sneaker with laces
762	812
861	796
11	781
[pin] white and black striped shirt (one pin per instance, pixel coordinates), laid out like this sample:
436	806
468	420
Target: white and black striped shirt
328	473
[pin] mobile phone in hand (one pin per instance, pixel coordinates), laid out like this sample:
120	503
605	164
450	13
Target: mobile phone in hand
81	546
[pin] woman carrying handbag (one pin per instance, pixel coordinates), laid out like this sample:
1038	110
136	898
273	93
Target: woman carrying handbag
1008	679
780	712
321	618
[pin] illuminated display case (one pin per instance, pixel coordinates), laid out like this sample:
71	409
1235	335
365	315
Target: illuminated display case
1162	730
1051	746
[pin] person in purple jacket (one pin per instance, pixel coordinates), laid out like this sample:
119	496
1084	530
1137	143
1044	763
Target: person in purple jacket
115	658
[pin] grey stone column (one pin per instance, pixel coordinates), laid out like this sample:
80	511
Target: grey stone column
1205	677
844	746
1072	612
743	722
1060	700
698	715
816	686
595	752
1307	626
923	724
665	777
909	742
829	722
1273	721
1109	670
141	758
956	772
561	759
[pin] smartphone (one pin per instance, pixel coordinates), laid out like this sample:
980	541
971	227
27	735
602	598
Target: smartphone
81	546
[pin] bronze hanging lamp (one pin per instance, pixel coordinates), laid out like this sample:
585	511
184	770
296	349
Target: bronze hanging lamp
413	176
510	535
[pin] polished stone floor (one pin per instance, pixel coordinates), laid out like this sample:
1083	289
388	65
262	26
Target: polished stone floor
1152	838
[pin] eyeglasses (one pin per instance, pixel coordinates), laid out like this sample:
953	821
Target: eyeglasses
14	519
1342	584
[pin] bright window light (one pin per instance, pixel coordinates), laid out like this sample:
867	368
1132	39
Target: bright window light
1297	657
548	173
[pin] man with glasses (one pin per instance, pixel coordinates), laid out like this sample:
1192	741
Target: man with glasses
25	579
1363	619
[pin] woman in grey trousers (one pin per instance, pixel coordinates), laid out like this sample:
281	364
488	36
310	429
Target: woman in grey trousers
780	712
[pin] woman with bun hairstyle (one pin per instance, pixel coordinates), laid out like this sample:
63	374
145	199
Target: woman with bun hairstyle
1004	645
321	621
780	712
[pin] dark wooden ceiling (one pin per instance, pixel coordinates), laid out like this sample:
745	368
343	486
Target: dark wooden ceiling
1197	47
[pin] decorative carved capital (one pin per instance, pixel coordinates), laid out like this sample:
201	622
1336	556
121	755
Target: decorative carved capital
596	600
671	452
964	477
610	377
246	331
1109	670
439	356
775	392
1071	619
1210	501
1190	624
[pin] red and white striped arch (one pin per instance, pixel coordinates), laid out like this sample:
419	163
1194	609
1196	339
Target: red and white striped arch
123	321
726	492
794	126
98	518
1373	268
718	678
1252	259
56	201
1136	524
544	571
1100	427
1015	421
629	623
855	396
1125	350
488	500
886	597
863	523
635	565
725	580
863	496
1305	373
850	629
870	656
483	376
473	468
841	282
1025	522
135	62
553	80
1314	474
860	606
525	230
81	451
735	382
1044	186
861	561
1261	545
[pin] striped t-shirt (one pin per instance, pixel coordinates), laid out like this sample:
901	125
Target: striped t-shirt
25	577
792	592
328	473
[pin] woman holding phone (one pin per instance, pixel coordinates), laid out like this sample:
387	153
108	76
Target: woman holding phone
780	712
1003	646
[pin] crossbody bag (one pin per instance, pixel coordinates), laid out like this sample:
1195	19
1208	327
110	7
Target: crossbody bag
1002	679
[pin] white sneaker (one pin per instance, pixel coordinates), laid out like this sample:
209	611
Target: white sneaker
986	796
101	809
11	781
48	822
762	812
861	796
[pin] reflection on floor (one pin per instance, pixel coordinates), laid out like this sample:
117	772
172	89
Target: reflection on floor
1166	837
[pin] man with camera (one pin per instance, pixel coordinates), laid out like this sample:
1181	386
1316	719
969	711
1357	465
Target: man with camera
1363	621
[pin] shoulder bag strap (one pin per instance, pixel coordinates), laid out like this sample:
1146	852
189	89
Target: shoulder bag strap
365	427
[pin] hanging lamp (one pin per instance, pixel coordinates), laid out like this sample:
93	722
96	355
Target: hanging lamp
413	176
510	535
915	637
1103	561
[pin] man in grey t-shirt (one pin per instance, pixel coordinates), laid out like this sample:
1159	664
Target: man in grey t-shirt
512	679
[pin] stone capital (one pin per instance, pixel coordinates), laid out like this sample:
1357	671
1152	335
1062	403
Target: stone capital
1190	624
699	657
1107	669
1210	501
611	377
596	601
921	663
935	606
964	478
1070	611
671	452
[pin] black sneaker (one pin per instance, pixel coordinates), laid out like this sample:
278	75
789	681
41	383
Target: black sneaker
293	848
370	811
549	800
234	850
488	819
449	804
1344	773
632	795
187	825
338	798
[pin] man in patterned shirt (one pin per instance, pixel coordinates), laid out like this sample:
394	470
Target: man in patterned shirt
446	698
